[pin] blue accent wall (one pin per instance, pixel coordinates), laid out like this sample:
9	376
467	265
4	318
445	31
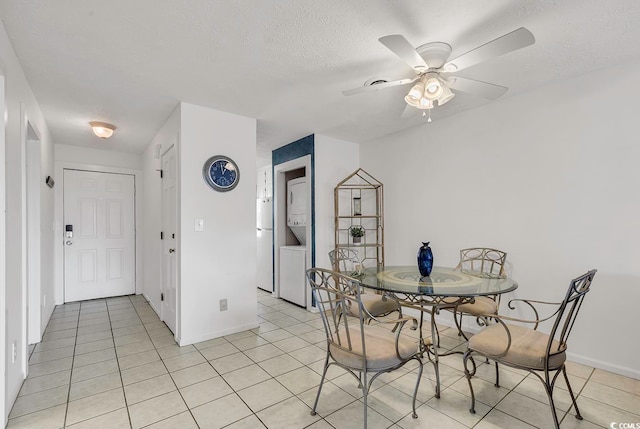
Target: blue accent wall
298	149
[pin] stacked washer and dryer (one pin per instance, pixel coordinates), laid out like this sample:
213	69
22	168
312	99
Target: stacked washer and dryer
293	259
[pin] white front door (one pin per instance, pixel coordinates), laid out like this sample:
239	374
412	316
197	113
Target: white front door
169	226
99	235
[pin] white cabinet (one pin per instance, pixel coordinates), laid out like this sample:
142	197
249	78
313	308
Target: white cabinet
293	264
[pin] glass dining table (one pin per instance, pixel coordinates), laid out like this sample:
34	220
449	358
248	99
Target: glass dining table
444	288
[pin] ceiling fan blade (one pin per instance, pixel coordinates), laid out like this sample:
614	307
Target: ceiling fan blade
476	87
409	112
509	42
403	49
379	86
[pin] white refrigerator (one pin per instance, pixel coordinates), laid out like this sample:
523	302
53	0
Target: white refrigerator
264	230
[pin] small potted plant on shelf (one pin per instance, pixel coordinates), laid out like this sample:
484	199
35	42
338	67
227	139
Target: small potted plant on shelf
357	232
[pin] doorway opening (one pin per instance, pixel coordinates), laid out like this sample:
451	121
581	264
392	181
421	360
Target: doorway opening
99	235
169	290
285	241
32	204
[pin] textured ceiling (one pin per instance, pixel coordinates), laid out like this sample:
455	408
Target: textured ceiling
129	62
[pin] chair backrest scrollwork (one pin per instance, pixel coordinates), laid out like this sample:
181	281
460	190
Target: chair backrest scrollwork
338	299
483	261
568	312
344	260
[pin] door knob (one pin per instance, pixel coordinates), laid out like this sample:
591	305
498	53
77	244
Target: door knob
172	250
68	242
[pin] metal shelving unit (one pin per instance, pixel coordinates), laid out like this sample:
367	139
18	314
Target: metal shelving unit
358	200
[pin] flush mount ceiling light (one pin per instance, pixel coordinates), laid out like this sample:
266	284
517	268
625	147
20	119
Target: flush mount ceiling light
102	129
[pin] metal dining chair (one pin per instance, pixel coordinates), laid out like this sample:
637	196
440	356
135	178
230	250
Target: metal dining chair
518	346
346	261
483	262
353	345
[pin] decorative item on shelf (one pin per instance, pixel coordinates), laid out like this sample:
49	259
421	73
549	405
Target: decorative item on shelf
357	232
425	259
357	206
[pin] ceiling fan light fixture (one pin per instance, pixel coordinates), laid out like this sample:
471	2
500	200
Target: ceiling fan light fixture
433	88
417	91
419	103
447	95
425	103
415	102
102	129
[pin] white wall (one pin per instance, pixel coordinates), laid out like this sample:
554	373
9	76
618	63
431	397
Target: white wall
334	160
108	158
20	103
219	262
549	176
152	204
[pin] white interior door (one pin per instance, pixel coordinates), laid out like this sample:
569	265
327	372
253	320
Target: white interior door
169	226
99	256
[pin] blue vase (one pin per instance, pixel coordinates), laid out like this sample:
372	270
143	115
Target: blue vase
425	259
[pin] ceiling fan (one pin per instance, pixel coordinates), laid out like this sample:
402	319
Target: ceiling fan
434	71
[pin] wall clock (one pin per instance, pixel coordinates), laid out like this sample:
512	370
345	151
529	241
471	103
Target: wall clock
221	173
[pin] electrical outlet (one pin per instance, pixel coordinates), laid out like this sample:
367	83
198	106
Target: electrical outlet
14	351
223	305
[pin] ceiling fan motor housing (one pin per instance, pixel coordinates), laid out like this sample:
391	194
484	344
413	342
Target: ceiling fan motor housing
435	54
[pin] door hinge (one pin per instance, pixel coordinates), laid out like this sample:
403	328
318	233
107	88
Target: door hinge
173	235
161	174
161	235
162	297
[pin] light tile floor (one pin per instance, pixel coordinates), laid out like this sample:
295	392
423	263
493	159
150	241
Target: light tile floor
111	363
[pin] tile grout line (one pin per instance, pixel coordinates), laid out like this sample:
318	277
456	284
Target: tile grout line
297	395
115	350
113	342
234	392
73	357
578	393
44	375
167	369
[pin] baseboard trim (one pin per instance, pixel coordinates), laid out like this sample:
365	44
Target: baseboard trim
209	336
151	304
606	366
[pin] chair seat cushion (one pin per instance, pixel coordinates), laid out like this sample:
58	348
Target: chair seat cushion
376	305
380	348
481	305
528	347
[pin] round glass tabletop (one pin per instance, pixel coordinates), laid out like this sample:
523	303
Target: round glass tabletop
443	281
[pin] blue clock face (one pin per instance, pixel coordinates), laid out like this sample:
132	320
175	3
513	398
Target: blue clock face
221	173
